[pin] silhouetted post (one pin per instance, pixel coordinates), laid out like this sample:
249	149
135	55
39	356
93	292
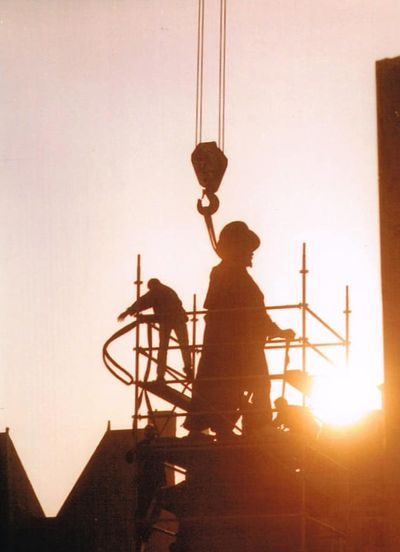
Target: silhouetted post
194	332
138	282
347	313
304	273
388	99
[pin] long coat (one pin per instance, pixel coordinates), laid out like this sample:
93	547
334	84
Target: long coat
232	359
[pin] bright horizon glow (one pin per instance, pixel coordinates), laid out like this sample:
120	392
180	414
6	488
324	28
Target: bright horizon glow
344	397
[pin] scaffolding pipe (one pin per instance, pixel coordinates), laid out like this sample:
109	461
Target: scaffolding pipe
138	282
347	313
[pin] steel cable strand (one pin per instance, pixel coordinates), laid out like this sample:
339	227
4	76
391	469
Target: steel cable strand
199	73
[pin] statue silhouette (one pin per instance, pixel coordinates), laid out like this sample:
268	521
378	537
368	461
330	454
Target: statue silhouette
170	315
237	326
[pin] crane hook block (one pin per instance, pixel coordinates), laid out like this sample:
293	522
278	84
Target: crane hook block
209	163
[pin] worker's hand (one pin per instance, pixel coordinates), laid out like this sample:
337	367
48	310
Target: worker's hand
288	334
122	316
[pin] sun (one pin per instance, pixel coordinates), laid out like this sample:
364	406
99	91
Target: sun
343	398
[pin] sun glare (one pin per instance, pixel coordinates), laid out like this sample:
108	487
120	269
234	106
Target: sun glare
343	398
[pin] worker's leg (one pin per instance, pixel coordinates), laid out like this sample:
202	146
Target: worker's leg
165	332
183	340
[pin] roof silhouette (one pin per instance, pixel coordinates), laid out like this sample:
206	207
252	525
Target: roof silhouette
18	499
20	508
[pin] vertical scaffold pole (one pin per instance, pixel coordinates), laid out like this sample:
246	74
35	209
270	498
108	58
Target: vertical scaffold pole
303	273
194	331
138	282
347	312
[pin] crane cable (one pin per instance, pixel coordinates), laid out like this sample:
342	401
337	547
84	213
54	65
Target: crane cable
200	73
222	59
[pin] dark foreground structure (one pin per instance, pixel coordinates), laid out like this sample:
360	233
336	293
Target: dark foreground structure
20	511
273	493
388	99
98	514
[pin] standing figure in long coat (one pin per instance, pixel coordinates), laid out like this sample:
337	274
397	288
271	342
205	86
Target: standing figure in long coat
237	326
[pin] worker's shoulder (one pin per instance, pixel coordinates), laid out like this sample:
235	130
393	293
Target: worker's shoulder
162	288
164	291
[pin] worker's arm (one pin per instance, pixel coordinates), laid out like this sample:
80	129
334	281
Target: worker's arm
277	421
143	303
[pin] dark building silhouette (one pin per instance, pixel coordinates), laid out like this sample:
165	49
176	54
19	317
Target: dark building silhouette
98	514
20	510
388	104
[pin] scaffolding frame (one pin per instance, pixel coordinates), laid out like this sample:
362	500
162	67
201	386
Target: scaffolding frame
144	388
176	387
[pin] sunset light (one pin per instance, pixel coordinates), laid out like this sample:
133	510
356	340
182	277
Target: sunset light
343	397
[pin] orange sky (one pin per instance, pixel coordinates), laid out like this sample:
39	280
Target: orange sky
98	115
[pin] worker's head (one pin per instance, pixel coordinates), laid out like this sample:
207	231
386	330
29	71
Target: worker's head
281	403
150	432
153	283
237	243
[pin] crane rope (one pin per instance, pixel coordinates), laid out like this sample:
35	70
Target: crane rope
200	73
222	59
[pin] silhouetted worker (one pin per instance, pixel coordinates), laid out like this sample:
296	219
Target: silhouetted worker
237	326
170	315
150	477
297	419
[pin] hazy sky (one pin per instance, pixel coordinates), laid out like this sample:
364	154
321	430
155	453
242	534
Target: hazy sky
98	124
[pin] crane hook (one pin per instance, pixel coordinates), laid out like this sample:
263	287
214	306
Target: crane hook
213	204
209	163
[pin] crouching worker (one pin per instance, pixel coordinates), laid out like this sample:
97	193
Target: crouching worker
170	315
296	419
